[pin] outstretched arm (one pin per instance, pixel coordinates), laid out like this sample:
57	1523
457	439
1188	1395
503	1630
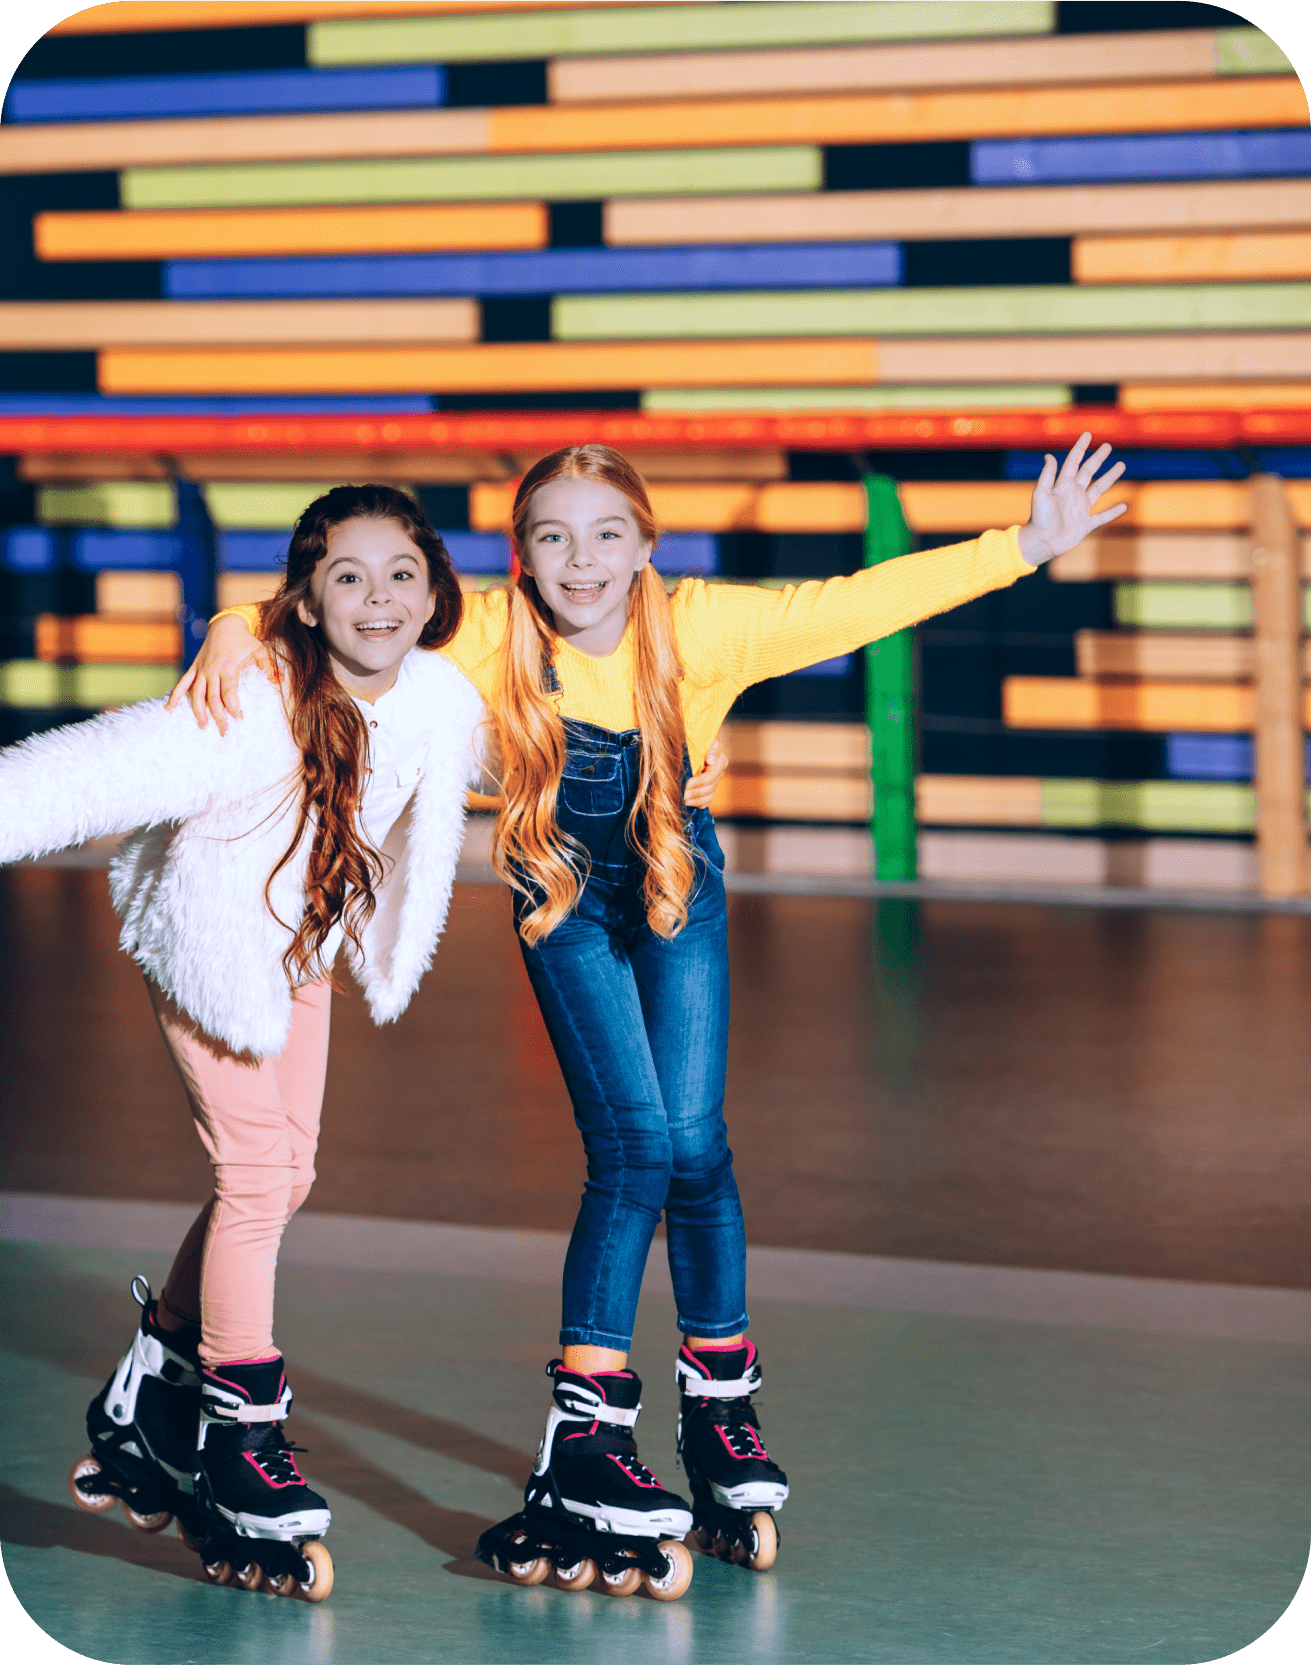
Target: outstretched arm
750	634
130	768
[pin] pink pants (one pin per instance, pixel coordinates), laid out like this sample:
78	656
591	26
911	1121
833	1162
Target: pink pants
258	1118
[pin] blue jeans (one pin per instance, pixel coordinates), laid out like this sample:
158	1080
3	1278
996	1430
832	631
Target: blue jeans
640	1029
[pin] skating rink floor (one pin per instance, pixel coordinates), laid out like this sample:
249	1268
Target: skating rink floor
1026	1189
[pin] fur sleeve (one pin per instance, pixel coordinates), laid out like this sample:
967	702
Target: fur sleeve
135	767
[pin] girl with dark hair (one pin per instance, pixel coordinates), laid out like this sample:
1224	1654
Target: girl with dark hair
334	817
604	695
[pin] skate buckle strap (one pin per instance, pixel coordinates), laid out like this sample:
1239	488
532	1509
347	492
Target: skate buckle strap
697	1386
218	1406
586	1402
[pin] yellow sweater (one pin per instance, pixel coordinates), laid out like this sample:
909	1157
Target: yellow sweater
731	635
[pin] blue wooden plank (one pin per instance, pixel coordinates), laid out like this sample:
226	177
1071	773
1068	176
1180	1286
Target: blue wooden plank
841	666
116	548
1119	156
242	92
545	271
96	404
1293	462
692	554
253	551
478	551
29	549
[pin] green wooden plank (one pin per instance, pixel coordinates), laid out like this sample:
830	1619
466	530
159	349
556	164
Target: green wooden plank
1151	805
259	505
32	684
890	699
1004	395
887	312
584	33
587	175
1174	606
138	503
1248	52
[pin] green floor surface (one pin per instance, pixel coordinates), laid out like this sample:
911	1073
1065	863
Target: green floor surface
962	1490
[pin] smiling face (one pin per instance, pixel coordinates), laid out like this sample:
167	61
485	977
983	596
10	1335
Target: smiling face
582	548
371	596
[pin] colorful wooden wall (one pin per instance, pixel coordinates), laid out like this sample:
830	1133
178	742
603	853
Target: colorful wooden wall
774	250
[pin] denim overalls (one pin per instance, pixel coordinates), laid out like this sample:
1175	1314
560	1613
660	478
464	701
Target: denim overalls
640	1028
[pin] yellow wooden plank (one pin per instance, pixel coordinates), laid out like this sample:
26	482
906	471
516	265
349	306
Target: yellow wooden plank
1175	54
872	118
1216	258
90	639
192	233
73	326
694	506
1210	395
498	366
1188	556
136	16
1061	702
973	211
58	147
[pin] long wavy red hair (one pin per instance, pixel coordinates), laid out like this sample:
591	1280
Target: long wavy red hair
326	724
529	851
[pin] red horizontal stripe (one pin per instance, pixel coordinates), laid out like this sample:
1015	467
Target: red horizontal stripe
1200	430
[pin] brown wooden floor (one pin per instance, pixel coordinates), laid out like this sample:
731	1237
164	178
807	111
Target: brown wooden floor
1111	1091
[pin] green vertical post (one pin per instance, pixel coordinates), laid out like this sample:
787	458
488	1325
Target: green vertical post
890	699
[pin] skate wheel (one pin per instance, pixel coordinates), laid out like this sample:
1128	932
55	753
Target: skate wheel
624	1583
678	1574
577	1577
94	1505
527	1572
148	1523
319	1585
762	1542
251	1576
700	1540
218	1572
282	1584
193	1543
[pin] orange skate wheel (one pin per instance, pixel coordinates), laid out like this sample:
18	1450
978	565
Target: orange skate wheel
148	1523
762	1545
622	1583
218	1572
577	1577
319	1587
251	1576
528	1572
672	1583
93	1505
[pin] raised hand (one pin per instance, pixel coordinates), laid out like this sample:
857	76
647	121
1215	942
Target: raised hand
1061	514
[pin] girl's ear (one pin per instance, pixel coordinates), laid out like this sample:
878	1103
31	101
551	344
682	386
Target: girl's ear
308	616
643	557
432	605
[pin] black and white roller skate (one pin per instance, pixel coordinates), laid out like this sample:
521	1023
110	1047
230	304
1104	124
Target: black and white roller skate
592	1508
261	1522
736	1485
142	1427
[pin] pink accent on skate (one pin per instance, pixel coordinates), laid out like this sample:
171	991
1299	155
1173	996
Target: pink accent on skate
268	1479
583	1436
744	1431
651	1484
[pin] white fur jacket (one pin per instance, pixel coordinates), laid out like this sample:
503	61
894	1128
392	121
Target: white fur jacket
215	813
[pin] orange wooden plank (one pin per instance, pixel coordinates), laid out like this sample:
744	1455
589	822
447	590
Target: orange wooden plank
975	211
1175	54
1204	505
867	118
137	16
979	800
786	506
70	326
90	639
40	147
499	366
1207	557
1059	702
1210	395
1213	357
180	234
1219	258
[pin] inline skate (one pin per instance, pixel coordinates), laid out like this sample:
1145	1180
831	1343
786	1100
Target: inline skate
593	1512
142	1427
260	1524
735	1483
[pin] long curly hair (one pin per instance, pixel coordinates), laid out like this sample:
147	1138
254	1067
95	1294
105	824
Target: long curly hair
326	724
529	850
